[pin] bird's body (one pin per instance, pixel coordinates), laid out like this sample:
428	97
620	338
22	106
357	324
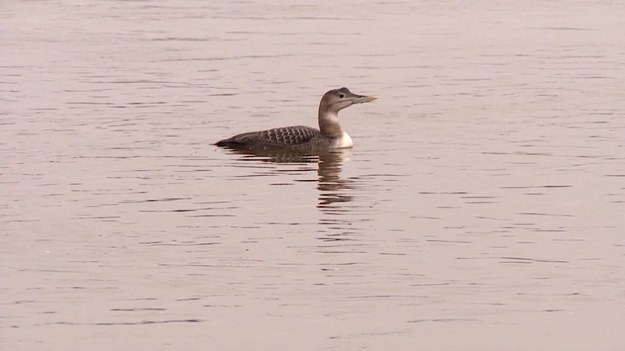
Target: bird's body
329	136
300	138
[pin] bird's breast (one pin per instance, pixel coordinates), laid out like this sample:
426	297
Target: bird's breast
345	141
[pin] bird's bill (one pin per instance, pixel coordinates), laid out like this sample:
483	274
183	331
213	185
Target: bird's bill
358	99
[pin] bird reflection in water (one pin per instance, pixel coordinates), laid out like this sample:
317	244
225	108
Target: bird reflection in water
333	190
335	193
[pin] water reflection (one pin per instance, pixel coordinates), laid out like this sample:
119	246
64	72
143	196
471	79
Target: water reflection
333	190
274	155
335	199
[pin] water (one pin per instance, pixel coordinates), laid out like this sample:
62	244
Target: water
481	207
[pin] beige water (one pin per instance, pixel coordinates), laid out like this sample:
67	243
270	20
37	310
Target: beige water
481	208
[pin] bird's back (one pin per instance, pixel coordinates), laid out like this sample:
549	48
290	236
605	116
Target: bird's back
296	137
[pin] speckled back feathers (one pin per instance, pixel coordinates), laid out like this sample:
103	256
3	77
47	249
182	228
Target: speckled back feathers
276	137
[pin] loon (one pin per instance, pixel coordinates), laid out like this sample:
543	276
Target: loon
329	136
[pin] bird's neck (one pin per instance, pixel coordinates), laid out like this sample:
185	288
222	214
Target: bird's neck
329	124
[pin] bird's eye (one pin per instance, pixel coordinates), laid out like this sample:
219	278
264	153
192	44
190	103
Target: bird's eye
341	96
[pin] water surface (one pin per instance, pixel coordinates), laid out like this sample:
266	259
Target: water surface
481	207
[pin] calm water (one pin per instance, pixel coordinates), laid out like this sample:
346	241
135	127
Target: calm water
481	207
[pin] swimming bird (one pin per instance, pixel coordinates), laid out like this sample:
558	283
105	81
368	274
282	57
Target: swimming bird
329	136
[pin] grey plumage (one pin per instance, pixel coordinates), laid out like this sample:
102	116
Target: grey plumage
290	137
329	136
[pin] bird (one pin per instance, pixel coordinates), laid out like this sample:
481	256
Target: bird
328	137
